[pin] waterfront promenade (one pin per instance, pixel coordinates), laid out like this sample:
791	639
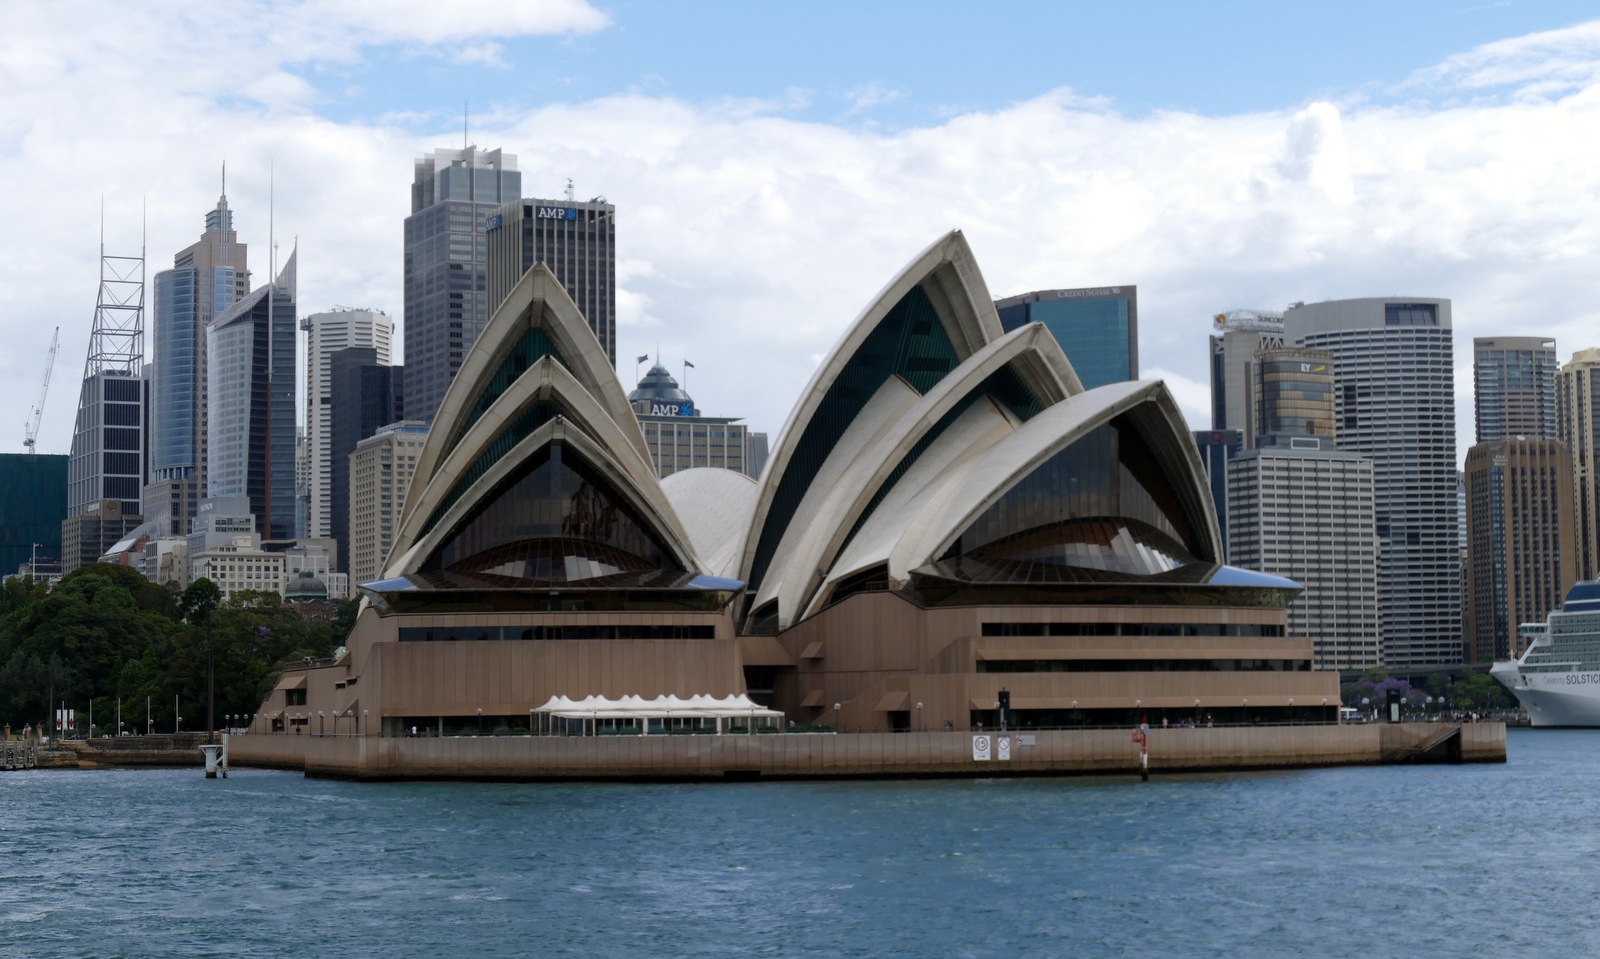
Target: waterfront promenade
845	755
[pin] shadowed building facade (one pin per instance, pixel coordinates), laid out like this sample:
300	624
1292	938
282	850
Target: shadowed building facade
1521	538
947	515
1578	428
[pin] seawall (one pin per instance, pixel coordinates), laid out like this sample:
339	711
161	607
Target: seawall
800	756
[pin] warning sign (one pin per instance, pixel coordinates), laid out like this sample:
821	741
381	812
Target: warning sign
1002	747
980	748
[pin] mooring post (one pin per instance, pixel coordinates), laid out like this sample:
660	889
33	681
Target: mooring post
213	752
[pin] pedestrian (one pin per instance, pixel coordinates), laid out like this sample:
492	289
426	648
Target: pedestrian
1163	722
947	726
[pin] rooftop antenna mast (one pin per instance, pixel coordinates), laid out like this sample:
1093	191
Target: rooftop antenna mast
466	113
116	342
30	429
569	189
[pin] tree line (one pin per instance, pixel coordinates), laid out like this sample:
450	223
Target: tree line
106	634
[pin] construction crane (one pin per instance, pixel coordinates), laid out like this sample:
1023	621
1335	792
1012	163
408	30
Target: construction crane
30	429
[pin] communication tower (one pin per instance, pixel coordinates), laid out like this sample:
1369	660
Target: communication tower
108	437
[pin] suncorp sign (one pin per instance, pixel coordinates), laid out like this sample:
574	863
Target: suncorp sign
555	213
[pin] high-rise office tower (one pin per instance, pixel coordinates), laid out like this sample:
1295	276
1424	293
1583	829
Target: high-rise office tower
453	194
1238	335
366	395
1300	508
206	278
1394	402
1293	398
326	335
1513	387
1307	515
250	375
1520	539
381	469
1098	328
108	457
1578	428
577	241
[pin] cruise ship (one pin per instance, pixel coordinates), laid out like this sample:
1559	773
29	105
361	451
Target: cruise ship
1558	678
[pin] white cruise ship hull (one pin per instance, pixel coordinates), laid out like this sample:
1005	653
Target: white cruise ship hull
1554	699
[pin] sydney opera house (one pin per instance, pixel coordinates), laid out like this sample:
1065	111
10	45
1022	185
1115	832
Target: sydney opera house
947	515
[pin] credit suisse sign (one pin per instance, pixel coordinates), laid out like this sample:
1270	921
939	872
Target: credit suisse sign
555	213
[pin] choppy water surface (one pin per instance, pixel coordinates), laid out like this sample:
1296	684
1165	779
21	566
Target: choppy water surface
1399	861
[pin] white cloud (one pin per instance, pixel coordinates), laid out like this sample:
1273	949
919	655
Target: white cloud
1538	64
751	239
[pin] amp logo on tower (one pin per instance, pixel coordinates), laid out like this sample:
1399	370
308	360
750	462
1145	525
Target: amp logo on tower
555	213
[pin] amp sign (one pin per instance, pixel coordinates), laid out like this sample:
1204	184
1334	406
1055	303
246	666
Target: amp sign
555	213
671	409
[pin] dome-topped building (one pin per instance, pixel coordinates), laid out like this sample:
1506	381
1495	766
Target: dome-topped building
660	391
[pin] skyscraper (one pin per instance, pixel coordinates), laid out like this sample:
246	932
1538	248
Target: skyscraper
1293	398
1578	427
250	374
206	278
1238	336
1513	387
453	194
1520	538
108	457
577	241
1394	402
1098	328
327	334
367	395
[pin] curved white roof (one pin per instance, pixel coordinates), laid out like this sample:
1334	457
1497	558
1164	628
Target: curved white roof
714	506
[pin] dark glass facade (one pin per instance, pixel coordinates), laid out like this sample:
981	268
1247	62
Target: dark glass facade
1098	329
364	396
555	519
453	195
909	342
33	502
1217	447
1102	503
533	345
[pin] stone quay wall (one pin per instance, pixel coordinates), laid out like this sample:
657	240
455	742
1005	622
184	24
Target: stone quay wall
800	756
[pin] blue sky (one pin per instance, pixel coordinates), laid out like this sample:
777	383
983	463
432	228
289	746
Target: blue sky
901	64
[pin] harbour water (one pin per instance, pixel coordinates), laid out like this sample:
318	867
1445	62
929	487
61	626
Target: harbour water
1383	861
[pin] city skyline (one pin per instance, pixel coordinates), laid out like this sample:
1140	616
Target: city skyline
1311	197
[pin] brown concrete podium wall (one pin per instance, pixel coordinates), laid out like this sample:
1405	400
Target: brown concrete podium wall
851	754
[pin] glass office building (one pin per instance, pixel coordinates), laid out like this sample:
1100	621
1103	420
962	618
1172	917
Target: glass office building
453	194
207	278
33	502
1097	328
1514	387
251	405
